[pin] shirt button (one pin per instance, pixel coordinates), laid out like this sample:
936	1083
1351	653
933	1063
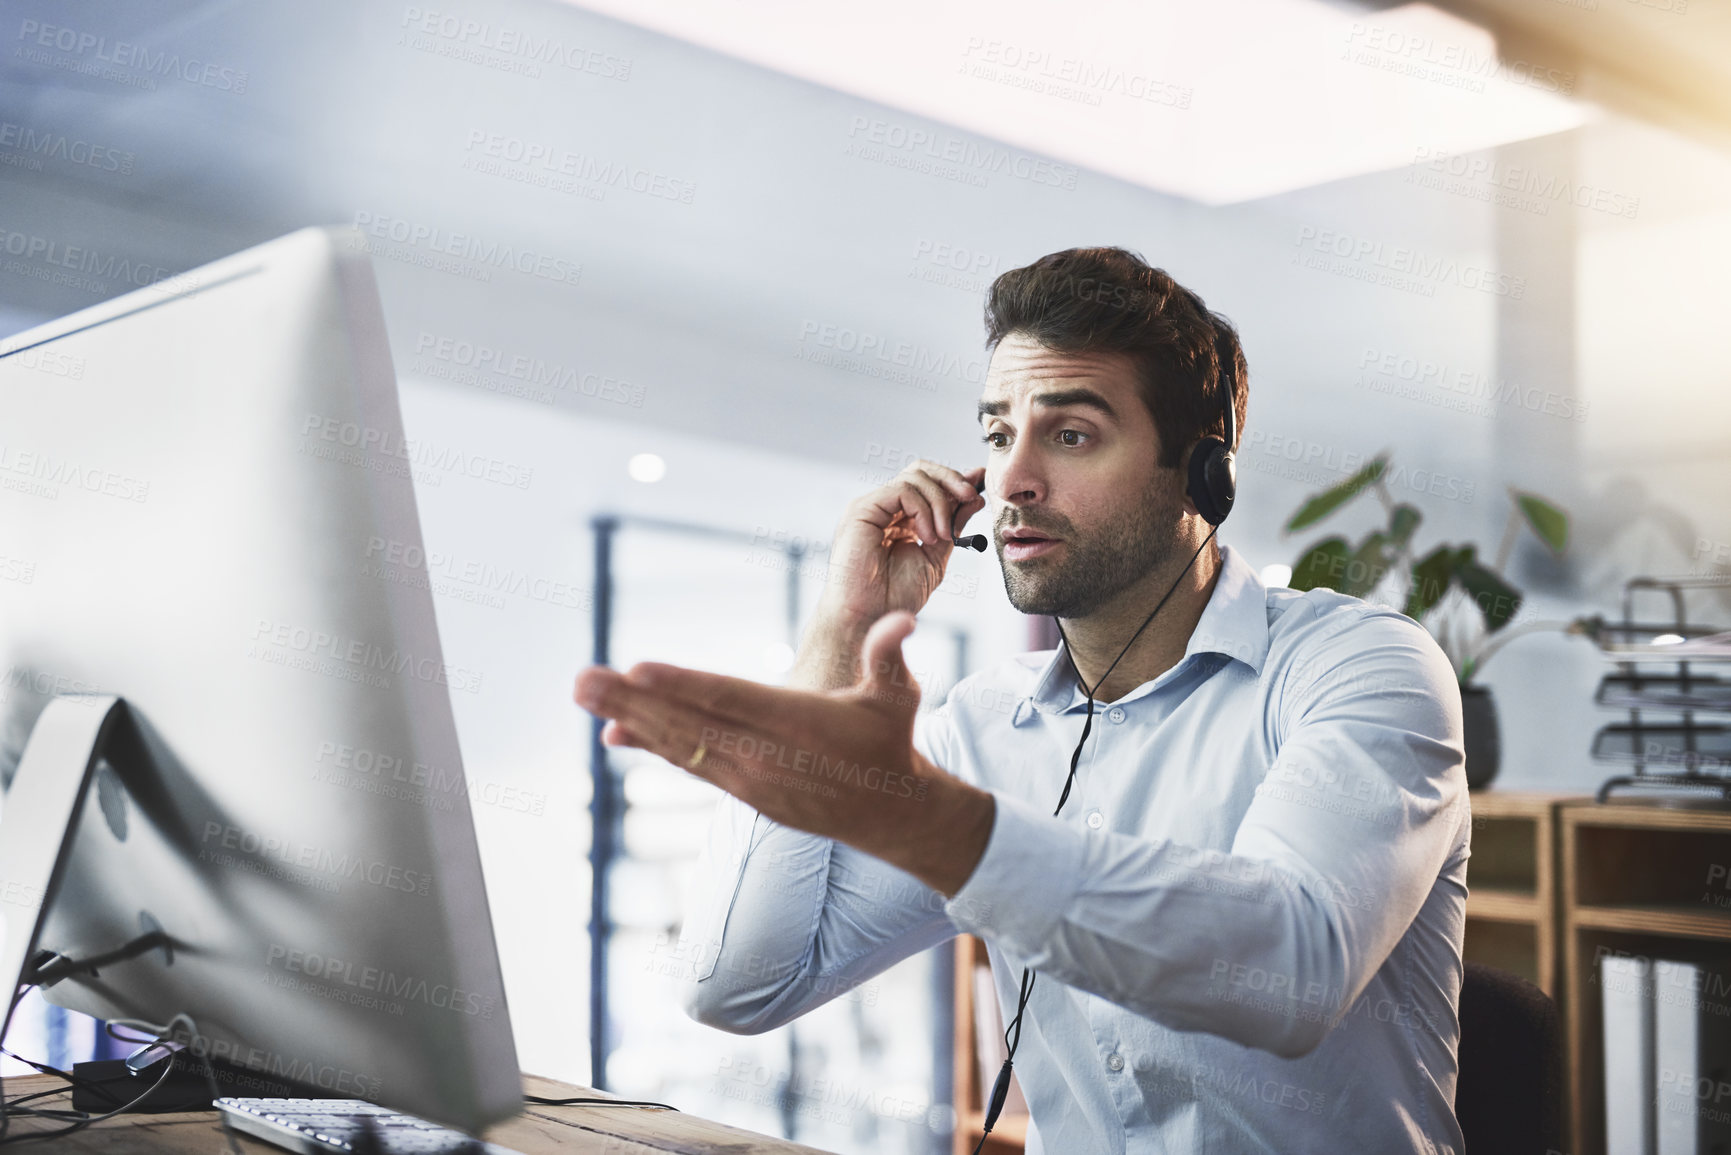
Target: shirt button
1115	1061
1116	713
1095	820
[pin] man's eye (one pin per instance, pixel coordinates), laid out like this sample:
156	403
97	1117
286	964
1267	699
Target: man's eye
1072	438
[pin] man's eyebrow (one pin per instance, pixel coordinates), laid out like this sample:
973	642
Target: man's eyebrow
1054	399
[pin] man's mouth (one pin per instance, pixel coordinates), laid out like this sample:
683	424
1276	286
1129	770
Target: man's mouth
1022	544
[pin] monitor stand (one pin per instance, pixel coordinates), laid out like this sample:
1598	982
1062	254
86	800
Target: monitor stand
37	821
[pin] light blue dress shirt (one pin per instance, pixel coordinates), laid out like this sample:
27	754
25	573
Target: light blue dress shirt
1246	922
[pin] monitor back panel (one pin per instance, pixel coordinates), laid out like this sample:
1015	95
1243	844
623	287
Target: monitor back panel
206	508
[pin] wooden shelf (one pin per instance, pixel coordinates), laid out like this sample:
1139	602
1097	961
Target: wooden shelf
1630	815
1638	879
1498	904
1518	803
1512	889
1672	919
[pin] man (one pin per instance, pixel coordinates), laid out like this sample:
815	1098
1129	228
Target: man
1245	920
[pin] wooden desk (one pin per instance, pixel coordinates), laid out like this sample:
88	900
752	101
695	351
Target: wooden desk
537	1131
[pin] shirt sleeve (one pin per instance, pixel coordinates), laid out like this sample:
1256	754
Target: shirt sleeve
1338	850
783	921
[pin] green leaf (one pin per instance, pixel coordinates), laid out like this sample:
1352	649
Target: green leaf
1431	576
1496	598
1368	566
1549	523
1401	523
1333	498
1322	566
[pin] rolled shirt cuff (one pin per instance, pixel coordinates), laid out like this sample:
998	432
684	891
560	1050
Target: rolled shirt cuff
1024	882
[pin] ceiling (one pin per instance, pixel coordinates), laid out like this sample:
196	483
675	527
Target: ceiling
1218	103
790	123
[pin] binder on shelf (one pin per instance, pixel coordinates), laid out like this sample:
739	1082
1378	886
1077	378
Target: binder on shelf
1626	988
1692	1058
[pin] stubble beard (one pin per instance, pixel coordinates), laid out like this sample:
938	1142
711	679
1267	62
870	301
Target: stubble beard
1137	539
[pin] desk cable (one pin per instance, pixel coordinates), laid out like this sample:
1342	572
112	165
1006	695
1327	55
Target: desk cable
75	1120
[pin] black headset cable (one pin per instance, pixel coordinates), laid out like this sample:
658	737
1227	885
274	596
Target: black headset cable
1013	1033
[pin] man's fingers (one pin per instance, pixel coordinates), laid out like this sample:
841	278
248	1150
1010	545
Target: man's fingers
899	529
593	686
935	512
646	716
615	733
964	491
734	700
963	494
649	720
959	485
902	504
887	676
606	694
931	499
670	711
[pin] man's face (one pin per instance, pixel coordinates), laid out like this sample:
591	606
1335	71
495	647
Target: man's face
1082	510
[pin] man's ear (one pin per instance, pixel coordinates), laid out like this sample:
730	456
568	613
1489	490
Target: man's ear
1188	504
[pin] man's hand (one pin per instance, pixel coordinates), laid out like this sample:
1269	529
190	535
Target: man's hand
839	763
876	565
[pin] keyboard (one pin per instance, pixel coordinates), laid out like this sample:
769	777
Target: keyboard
347	1126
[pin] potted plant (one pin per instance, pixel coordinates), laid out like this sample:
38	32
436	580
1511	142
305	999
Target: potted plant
1465	604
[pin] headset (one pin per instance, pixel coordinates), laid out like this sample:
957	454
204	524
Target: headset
1212	485
1213	481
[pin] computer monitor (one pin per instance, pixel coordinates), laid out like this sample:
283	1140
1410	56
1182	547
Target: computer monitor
206	510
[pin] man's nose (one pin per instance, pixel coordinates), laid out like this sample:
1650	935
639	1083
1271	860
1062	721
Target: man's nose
1019	479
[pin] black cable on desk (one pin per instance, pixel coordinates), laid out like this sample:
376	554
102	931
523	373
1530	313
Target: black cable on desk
589	1102
167	1069
79	1119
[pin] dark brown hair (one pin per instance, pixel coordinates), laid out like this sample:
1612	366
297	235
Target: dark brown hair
1112	301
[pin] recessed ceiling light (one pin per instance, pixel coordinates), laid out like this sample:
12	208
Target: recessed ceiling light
646	467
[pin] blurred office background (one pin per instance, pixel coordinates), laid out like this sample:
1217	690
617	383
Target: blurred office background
684	278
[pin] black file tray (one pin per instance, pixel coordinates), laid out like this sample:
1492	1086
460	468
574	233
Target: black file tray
1674	748
1667	691
1686	747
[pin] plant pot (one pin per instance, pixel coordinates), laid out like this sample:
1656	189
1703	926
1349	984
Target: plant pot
1484	743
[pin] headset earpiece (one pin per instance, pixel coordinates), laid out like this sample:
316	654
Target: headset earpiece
1213	479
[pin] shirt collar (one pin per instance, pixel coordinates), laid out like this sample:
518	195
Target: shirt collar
1233	623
